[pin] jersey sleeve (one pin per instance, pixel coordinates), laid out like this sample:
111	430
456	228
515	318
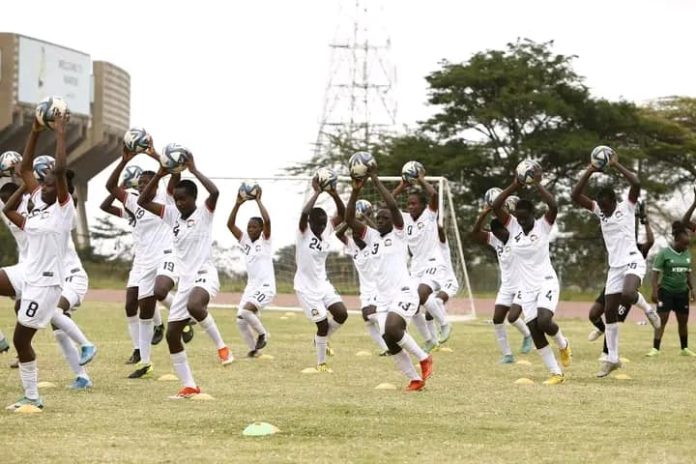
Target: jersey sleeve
512	224
629	205
659	263
67	214
545	226
170	215
493	241
371	236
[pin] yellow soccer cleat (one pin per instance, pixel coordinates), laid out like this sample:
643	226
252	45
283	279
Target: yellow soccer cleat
566	354
555	379
323	368
687	352
652	353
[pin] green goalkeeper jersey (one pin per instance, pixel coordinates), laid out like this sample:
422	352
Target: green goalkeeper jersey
674	268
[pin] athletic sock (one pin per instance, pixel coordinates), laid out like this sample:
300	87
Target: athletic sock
561	341
443	309
182	369
435	310
409	344
612	337
133	330
146	330
333	326
167	301
67	325
520	325
642	303
432	329
684	341
208	324
656	343
549	359
247	335
403	362
373	330
253	320
419	321
157	317
29	375
501	336
599	324
70	353
320	345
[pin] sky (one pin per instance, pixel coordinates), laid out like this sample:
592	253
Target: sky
242	83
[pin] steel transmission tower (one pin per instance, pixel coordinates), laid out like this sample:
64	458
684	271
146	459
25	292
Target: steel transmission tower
359	102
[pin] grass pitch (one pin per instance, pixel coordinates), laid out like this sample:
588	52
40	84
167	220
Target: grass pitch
472	411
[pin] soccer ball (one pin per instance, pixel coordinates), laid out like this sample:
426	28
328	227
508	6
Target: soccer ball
174	157
249	190
43	165
363	208
601	155
137	140
411	171
528	171
327	179
360	163
47	110
491	194
131	176
511	203
9	161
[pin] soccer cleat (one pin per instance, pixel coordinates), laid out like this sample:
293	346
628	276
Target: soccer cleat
426	367
603	357
555	379
385	353
134	357
25	401
261	342
430	346
324	369
142	372
185	393
415	385
687	352
81	383
87	353
526	345
4	346
566	354
652	353
594	335
607	367
329	351
445	332
653	318
252	354
187	334
225	356
157	335
507	359
14	364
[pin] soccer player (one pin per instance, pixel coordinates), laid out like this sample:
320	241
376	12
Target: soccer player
361	255
397	294
497	239
537	285
427	263
198	278
315	293
626	263
672	287
47	232
261	286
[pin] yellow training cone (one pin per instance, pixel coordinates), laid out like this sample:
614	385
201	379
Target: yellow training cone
622	377
625	360
290	314
46	385
363	353
167	378
385	386
524	381
523	362
266	356
260	429
310	370
445	349
27	409
283	318
202	397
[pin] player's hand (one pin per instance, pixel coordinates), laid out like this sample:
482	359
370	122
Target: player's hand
190	163
357	183
486	210
36	126
127	154
613	160
150	150
421	176
59	123
315	184
591	168
258	196
162	171
240	199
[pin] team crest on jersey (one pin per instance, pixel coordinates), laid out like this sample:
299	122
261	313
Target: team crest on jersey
190	223
388	242
420	225
315	312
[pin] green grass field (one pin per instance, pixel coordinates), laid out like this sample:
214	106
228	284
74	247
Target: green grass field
471	411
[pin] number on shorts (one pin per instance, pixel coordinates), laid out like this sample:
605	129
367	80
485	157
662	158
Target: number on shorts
168	266
519	294
258	296
200	280
176	230
549	295
375	248
32	308
633	265
431	270
69	278
405	306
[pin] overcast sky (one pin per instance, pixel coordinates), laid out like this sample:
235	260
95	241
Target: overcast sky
242	83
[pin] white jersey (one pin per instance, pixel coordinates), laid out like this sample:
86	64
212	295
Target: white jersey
71	261
18	234
389	255
422	238
193	241
531	261
619	231
310	255
259	261
363	264
47	230
151	236
503	251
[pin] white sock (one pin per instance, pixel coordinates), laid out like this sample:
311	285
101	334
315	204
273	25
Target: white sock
253	320
182	369
70	353
208	324
147	328
2	335
561	341
320	345
157	317
29	375
435	310
520	325
612	336
403	362
441	304
333	326
134	330
373	330
549	358
245	331
67	325
167	302
432	329
419	321
501	336
410	345
642	303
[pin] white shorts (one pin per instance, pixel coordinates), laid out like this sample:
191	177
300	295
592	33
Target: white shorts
15	274
433	276
75	288
207	280
617	275
38	305
144	277
405	303
259	296
505	297
546	297
367	299
315	304
169	267
450	287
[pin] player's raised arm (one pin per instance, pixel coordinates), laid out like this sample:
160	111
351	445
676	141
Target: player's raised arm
388	198
690	212
26	168
550	201
112	182
578	193
498	205
477	233
351	221
304	217
265	216
429	189
108	206
209	185
340	207
60	170
649	236
232	220
148	194
399	188
632	178
10	209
